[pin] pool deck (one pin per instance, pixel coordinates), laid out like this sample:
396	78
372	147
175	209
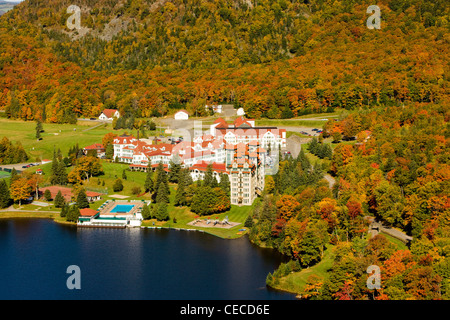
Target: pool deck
110	219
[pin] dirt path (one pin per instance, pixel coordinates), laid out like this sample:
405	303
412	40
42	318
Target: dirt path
330	179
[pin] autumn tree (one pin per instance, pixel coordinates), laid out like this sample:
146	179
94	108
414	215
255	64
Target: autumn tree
20	190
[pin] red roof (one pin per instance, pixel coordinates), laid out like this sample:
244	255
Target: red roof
95	146
124	139
221	123
203	165
241	121
109	112
92	194
88	212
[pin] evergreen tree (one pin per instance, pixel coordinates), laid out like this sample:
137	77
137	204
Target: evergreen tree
62	176
14	176
118	185
303	160
148	184
224	183
82	201
162	213
5	198
162	194
327	152
54	170
175	168
59	200
38	129
208	181
187	178
73	213
64	211
161	185
249	221
180	196
313	145
146	213
47	195
124	174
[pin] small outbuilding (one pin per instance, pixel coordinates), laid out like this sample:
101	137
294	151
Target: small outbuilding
181	115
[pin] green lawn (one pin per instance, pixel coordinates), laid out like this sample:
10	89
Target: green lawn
295	282
183	216
62	136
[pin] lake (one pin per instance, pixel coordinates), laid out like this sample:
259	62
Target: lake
129	264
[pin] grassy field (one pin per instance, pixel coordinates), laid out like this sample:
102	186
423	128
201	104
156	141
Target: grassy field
183	216
62	136
295	282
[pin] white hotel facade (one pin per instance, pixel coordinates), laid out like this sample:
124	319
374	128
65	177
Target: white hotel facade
237	149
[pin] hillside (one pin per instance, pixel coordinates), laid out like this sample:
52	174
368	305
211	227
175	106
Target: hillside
274	58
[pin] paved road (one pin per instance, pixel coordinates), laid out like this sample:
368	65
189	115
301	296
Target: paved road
376	227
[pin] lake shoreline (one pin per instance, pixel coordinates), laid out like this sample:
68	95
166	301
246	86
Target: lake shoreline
56	218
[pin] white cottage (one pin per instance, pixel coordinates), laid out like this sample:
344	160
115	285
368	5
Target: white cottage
109	114
181	115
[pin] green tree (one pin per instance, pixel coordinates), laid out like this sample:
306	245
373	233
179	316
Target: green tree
180	196
390	203
146	213
5	198
59	200
54	179
148	184
224	183
73	213
64	211
38	129
161	186
174	169
61	173
118	185
162	194
82	201
47	195
162	213
109	151
209	180
14	176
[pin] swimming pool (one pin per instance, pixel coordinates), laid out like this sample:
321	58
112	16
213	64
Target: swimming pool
122	208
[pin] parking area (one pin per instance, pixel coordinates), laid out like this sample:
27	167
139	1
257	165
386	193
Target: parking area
19	166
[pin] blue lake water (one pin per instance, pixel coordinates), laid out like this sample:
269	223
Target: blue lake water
129	264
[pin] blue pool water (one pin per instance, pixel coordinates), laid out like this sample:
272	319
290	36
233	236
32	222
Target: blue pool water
122	208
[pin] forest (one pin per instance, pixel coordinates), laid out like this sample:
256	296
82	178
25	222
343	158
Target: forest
397	171
389	154
273	58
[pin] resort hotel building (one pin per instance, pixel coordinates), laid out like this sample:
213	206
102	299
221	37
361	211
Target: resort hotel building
238	150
